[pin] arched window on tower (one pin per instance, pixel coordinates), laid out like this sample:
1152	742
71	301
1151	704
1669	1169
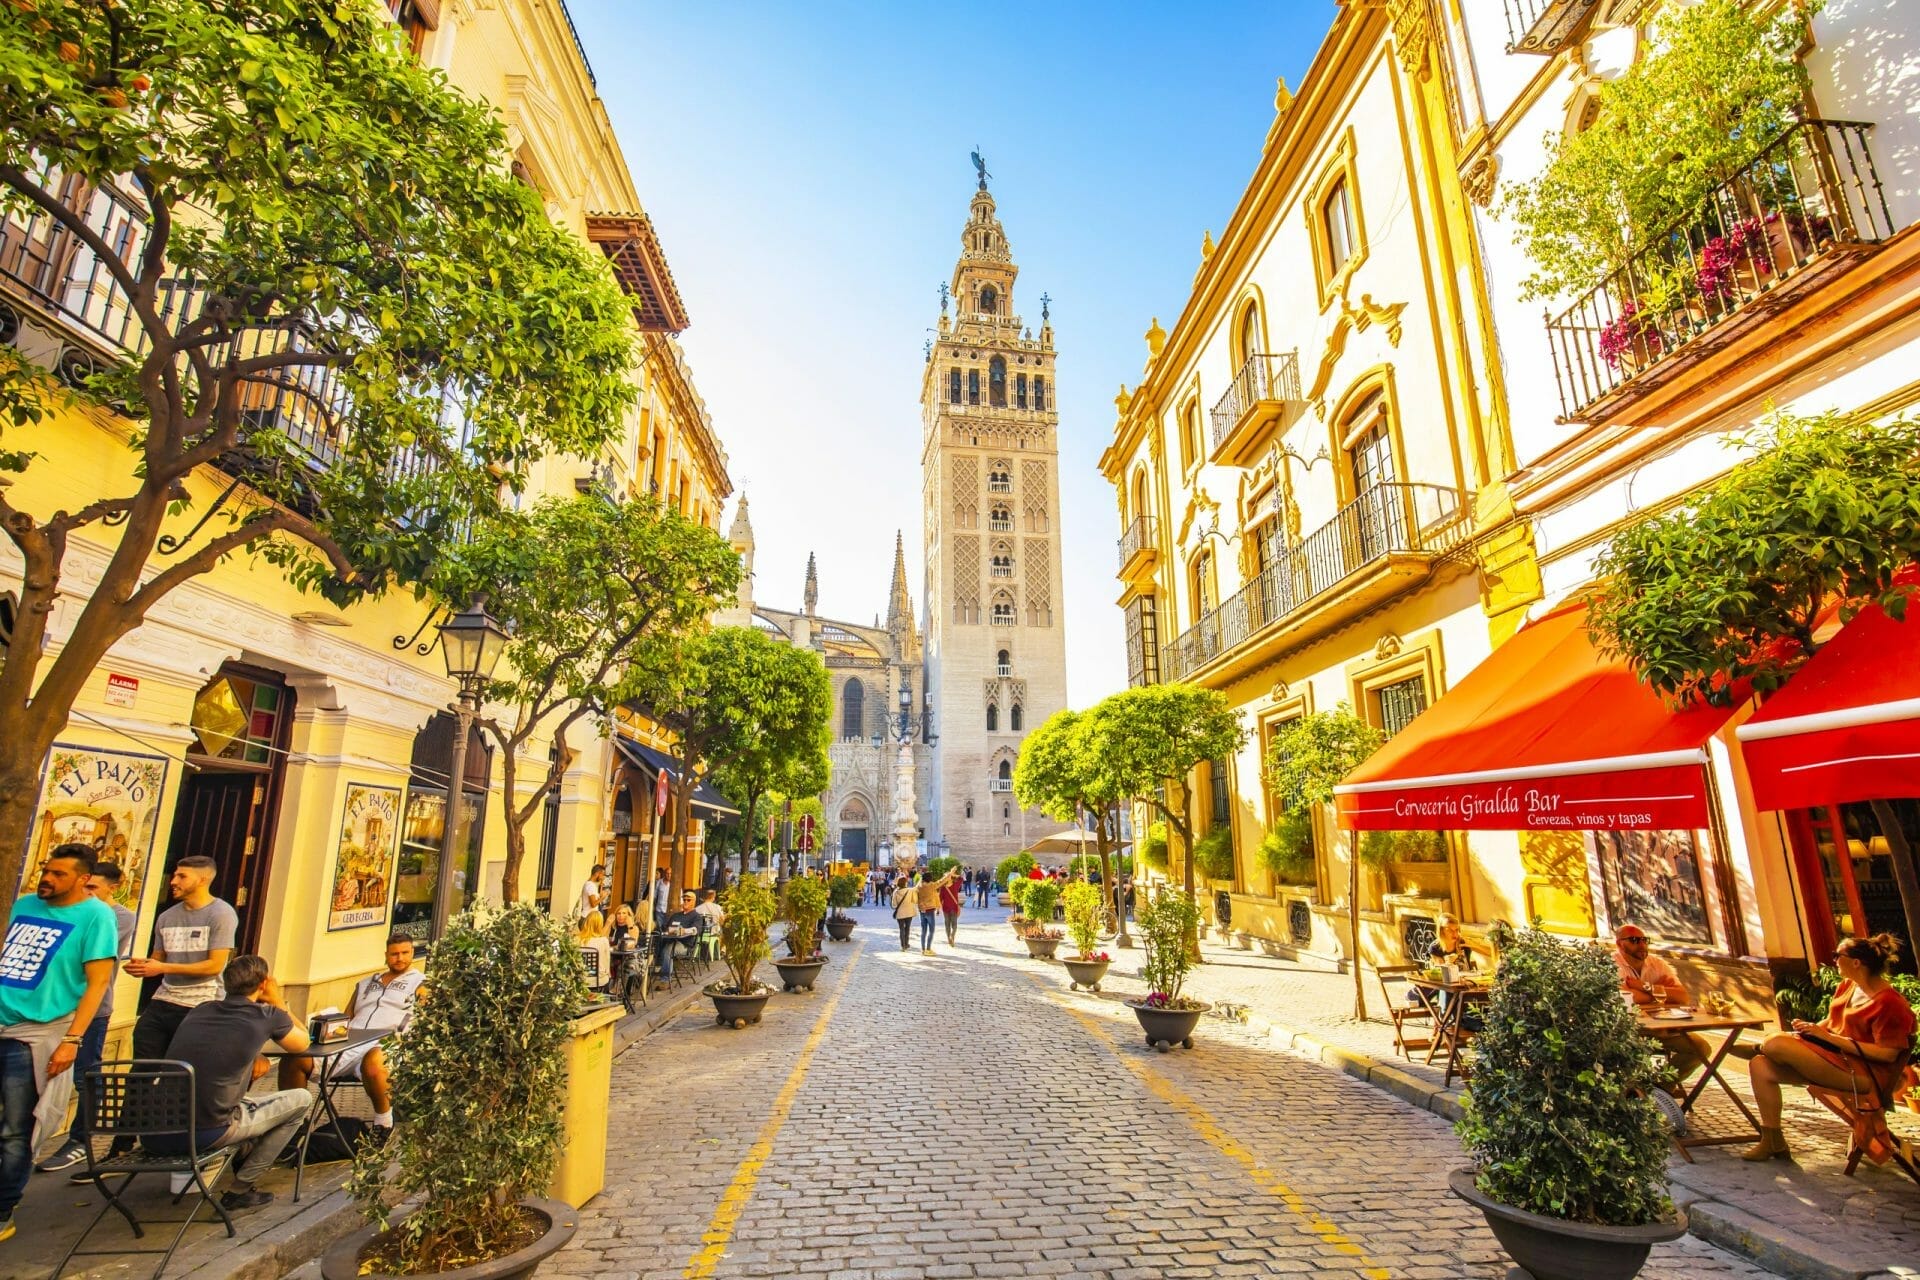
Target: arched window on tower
853	709
999	478
1006	777
1013	718
1039	392
953	386
1003	665
1003	609
989	300
969	808
973	386
997	382
1000	519
1019	390
1002	560
993	718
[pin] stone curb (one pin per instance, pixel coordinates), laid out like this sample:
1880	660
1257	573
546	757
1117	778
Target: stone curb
1785	1253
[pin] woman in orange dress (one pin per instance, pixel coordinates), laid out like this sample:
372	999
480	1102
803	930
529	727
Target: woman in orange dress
1868	1027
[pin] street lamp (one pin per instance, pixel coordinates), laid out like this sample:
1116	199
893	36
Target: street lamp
472	643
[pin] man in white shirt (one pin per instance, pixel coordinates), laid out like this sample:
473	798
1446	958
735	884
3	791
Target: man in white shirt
383	1002
591	892
710	908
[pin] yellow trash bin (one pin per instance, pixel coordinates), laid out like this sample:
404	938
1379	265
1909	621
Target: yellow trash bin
582	1171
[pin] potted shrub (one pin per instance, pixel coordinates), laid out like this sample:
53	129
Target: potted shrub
843	891
1213	853
1286	851
1017	893
1011	869
1085	966
1153	848
806	906
738	999
481	1077
1165	1014
1561	1055
1041	938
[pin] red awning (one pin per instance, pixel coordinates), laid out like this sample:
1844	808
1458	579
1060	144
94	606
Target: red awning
1544	735
1847	726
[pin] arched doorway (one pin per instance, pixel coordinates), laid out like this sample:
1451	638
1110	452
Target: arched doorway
855	819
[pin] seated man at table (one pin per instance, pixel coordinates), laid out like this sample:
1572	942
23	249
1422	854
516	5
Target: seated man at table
222	1040
678	933
1651	981
711	909
382	1002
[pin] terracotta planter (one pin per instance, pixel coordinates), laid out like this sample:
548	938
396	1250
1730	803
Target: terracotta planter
736	1011
1019	924
1042	948
1168	1027
840	928
342	1261
1085	973
1554	1249
798	975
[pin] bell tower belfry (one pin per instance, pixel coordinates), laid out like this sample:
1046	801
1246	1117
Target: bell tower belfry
994	636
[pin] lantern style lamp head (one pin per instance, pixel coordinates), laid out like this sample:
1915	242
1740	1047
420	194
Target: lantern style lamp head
472	642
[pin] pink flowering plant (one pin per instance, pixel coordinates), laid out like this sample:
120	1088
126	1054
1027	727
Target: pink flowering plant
1166	924
1725	259
1632	326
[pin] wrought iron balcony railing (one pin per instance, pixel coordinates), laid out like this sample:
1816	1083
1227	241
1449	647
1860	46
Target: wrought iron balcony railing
1805	205
1137	540
1545	26
1385	519
1264	379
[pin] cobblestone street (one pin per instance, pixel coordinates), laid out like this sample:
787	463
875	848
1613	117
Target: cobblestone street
964	1115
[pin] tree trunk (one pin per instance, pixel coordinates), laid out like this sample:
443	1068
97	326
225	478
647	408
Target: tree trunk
1107	885
1353	925
1179	827
682	814
747	832
1905	874
21	755
516	824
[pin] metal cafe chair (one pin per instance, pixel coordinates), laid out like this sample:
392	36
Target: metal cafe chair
152	1101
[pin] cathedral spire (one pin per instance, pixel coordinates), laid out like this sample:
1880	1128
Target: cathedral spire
899	605
812	597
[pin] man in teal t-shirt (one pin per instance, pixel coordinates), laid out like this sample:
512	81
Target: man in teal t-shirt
55	966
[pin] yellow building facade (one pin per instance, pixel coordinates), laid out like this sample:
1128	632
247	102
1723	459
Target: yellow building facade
305	747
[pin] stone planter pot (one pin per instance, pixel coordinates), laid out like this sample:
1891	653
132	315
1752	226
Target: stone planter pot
1042	948
840	928
1019	924
1553	1249
1168	1027
342	1261
737	1011
1085	973
1244	941
798	975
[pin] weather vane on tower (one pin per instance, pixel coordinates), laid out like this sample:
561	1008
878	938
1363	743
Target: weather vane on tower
980	167
1046	304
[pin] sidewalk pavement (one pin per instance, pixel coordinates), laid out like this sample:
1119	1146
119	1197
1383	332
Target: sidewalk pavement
1802	1218
282	1239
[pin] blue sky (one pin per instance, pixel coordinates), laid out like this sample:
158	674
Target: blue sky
807	169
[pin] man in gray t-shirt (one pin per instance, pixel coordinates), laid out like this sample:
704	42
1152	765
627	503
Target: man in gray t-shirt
192	943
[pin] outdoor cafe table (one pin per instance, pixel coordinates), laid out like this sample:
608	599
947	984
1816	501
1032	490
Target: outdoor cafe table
325	1054
1448	1001
1730	1027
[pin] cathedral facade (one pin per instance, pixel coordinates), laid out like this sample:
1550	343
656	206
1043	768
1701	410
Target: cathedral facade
995	630
882	769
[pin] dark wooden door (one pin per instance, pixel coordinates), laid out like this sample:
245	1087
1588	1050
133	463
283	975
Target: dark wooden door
222	815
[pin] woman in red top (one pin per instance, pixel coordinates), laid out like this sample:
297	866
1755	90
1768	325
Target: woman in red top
1868	1026
951	893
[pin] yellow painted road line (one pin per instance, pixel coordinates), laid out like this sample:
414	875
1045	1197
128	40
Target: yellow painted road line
719	1232
1219	1139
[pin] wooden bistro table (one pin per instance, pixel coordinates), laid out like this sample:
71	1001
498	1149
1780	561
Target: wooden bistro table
1730	1029
1449	1001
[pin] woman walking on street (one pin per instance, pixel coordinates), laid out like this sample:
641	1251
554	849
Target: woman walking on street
928	892
952	894
906	905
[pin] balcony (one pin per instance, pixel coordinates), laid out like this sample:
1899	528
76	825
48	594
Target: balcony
1377	546
1804	209
1262	402
1139	549
997	785
1546	26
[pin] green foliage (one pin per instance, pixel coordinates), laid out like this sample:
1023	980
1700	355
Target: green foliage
1166	925
1716	88
1083	902
1088	864
940	866
750	909
594	593
1153	847
804	907
1309	756
1017	889
1287	849
1727	587
1558	1114
1808	999
1213	853
1062	769
1041	898
481	1077
1379	848
1013	868
1155	735
844	890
